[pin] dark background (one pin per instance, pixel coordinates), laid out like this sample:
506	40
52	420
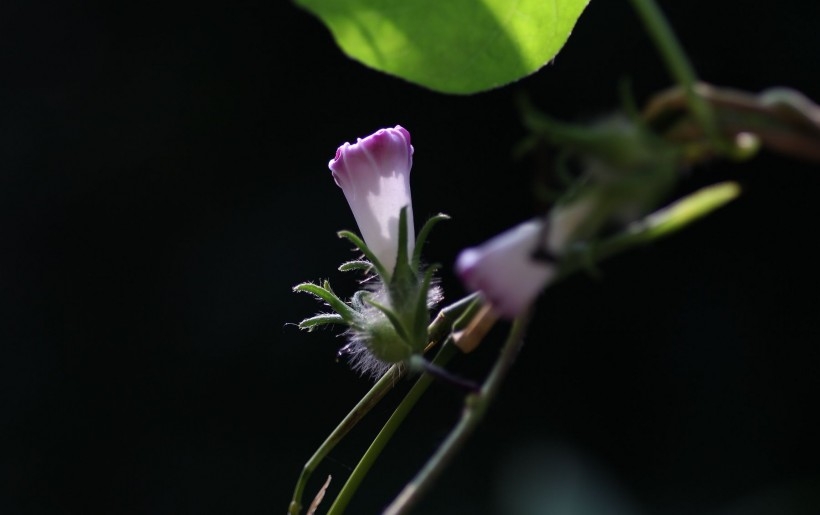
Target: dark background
163	185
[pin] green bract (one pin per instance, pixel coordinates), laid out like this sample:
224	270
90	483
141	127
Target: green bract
451	46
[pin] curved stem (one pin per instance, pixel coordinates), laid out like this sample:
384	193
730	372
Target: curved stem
679	66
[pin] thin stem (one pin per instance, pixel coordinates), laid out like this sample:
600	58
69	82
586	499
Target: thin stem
679	66
368	459
422	365
438	330
370	399
475	406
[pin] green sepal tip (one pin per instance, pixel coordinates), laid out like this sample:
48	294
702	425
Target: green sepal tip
309	324
362	246
356	265
345	311
422	237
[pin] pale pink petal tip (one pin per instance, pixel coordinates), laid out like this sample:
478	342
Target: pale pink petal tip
374	174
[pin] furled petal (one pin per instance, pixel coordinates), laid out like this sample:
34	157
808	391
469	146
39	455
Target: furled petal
374	174
504	271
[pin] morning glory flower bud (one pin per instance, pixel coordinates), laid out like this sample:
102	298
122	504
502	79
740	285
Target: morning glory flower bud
505	270
374	174
387	319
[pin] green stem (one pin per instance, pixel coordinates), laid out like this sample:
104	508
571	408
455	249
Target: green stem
402	410
438	330
679	66
369	400
475	406
659	224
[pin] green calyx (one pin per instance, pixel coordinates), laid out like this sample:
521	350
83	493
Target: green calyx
385	343
409	286
391	319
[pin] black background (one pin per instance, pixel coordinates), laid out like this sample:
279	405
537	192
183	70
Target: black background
163	185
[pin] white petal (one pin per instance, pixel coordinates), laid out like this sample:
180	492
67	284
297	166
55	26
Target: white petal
504	271
374	174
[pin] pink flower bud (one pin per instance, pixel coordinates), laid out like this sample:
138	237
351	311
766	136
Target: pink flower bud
504	270
374	174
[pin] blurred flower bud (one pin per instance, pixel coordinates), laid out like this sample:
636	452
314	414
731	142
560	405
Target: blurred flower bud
505	270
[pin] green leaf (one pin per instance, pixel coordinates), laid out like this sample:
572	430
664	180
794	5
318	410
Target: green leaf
450	46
